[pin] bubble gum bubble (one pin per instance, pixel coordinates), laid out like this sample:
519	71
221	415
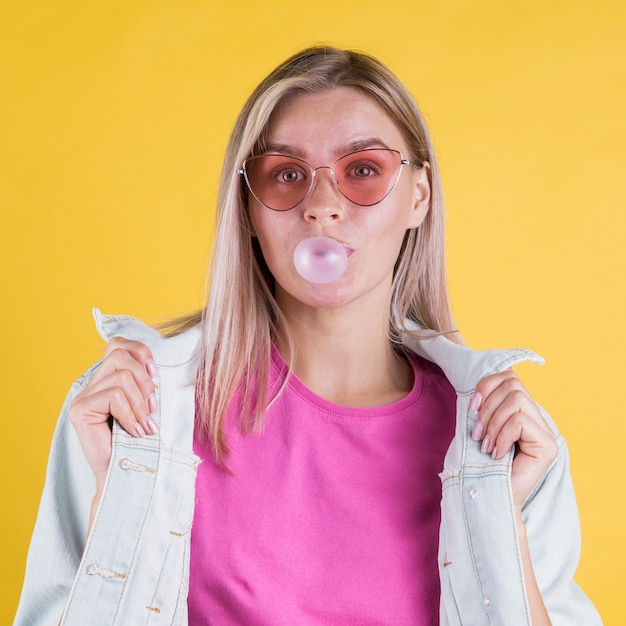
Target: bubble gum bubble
320	260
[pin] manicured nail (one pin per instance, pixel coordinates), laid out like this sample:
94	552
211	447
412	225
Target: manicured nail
153	403
139	430
152	425
477	433
494	454
151	368
477	398
485	446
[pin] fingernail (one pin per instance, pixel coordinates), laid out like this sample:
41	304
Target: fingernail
485	446
139	430
152	425
151	368
477	433
153	403
477	398
494	454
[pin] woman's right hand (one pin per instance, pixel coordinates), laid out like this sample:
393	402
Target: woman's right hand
123	388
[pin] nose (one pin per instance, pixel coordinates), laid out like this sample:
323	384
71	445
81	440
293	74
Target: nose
324	202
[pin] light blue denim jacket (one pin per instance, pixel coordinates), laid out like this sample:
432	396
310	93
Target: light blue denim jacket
134	567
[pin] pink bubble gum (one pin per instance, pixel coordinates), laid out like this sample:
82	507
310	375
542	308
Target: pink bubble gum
320	260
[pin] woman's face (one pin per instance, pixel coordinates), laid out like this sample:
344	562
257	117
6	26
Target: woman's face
320	128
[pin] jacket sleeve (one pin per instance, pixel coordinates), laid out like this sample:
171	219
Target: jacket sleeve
60	530
553	528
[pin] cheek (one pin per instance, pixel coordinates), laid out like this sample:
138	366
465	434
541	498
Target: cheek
390	223
385	246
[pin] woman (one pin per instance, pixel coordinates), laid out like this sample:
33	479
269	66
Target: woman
321	402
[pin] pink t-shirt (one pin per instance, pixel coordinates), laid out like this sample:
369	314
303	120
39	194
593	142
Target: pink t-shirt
330	516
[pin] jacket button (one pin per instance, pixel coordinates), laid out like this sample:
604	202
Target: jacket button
486	601
472	494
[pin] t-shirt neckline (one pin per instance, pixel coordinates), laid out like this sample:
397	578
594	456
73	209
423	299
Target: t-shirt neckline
279	370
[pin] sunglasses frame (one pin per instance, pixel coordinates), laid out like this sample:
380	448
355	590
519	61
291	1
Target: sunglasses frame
243	172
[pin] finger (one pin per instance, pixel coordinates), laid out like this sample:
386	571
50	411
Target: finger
489	384
537	450
490	393
96	408
514	404
532	440
510	398
505	393
121	360
517	408
89	415
122	381
139	351
95	441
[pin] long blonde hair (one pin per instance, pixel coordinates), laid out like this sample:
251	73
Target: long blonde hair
241	317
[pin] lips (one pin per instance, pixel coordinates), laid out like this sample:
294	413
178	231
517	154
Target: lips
348	249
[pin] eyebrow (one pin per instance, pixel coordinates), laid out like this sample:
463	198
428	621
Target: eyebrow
352	146
367	142
283	148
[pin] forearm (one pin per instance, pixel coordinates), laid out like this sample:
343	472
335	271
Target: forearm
538	613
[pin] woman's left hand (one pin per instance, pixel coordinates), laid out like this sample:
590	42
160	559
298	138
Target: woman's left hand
507	415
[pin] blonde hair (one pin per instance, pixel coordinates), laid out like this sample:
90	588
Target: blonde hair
241	317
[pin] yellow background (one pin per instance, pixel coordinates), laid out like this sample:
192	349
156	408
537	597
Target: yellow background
113	121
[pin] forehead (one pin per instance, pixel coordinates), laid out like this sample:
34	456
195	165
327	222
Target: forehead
330	122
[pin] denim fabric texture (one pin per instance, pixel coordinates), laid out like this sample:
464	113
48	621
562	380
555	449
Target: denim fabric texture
134	566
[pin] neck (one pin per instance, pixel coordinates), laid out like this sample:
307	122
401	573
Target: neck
344	355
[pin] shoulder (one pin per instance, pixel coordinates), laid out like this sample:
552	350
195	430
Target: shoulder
167	351
461	365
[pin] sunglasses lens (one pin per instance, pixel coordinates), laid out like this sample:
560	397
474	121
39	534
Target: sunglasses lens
282	182
279	182
366	177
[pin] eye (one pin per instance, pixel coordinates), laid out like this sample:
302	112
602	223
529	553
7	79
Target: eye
362	171
287	173
289	176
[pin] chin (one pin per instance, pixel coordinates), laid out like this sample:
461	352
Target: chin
327	296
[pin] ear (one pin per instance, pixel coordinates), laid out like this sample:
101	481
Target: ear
421	204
